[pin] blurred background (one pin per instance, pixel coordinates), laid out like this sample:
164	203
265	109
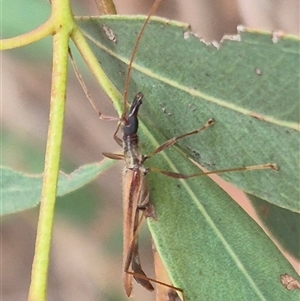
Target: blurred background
86	255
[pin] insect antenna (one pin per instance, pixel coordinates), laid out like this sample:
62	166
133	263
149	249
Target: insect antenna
134	52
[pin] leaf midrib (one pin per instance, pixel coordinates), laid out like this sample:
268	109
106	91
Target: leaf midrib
196	93
193	197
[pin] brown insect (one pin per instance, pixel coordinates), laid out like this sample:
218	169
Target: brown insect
136	199
136	192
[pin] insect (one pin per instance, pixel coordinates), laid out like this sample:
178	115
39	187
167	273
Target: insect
136	199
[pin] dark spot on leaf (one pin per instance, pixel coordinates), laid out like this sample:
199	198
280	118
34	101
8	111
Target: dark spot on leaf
265	210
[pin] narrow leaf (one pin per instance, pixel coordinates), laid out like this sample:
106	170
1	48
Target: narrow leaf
283	224
249	84
22	191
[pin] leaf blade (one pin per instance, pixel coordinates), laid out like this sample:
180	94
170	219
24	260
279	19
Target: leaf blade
253	125
22	191
180	99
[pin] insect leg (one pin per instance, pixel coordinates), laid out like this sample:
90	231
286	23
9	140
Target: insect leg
172	141
244	168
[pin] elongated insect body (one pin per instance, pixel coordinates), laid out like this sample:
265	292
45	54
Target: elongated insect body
135	195
135	191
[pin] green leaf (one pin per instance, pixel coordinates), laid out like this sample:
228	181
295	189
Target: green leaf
283	224
210	246
250	86
20	191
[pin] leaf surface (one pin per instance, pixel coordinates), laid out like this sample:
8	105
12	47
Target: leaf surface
250	86
21	191
282	223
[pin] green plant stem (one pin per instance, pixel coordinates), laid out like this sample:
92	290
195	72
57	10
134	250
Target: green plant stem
62	15
95	67
35	35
